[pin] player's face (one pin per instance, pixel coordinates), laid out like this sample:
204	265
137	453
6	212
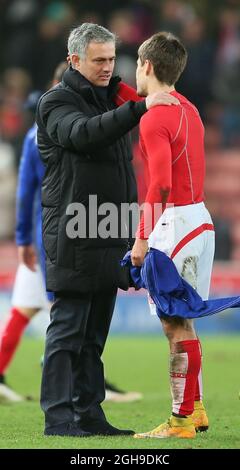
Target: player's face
98	63
141	79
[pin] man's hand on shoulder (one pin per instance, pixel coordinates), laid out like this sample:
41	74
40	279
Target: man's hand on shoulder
161	97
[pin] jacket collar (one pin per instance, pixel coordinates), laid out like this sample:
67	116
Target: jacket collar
81	85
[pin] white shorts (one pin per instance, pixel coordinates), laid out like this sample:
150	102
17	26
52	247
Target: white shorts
29	288
186	235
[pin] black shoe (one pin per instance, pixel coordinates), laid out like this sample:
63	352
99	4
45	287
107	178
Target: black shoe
66	429
112	388
2	379
7	395
103	428
116	395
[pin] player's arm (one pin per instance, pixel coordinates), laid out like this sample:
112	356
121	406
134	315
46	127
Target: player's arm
26	188
157	145
156	139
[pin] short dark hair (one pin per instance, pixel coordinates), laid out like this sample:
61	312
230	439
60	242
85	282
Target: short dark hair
167	55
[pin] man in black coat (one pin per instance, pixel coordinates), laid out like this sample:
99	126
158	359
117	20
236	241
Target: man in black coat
84	144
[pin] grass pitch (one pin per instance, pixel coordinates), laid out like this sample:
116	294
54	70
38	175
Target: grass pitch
133	363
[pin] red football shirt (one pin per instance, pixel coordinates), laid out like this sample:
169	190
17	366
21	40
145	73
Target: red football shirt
172	144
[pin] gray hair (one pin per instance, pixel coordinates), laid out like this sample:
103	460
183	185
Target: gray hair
81	36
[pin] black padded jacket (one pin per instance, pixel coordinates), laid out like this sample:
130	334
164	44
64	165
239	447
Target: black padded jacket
85	146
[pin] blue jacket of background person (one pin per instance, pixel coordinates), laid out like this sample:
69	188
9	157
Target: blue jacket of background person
28	203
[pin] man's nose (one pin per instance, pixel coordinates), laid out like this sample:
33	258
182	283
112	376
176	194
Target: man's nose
107	65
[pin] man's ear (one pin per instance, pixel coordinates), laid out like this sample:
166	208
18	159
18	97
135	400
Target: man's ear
74	59
148	67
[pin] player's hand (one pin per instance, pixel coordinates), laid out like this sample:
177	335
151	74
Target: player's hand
27	255
161	97
139	251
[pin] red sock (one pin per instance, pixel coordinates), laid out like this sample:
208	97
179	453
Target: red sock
10	337
199	385
184	370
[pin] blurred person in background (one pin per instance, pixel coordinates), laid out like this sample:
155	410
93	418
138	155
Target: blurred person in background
35	37
83	141
172	140
131	25
15	89
195	82
171	15
225	87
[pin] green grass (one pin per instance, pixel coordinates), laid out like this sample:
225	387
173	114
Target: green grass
134	364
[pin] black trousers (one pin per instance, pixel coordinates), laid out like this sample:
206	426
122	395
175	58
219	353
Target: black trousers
73	377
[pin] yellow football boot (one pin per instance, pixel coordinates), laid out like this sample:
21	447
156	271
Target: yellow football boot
173	427
199	417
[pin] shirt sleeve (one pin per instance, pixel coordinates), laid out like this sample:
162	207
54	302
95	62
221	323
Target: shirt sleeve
156	139
126	93
26	188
